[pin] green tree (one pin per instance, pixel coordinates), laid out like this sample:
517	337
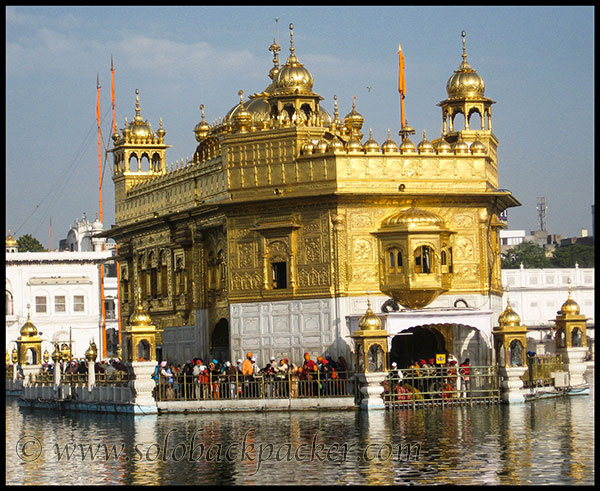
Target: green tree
28	243
529	254
567	256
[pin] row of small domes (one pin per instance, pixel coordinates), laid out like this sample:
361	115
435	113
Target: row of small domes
390	146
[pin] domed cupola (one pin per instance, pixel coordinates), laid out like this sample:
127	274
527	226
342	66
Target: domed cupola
371	146
443	147
509	318
354	120
293	76
466	96
477	147
510	339
138	128
11	243
571	329
465	82
202	129
425	146
460	146
389	146
407	146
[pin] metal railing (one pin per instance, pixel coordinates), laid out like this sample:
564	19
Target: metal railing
45	378
185	387
539	370
442	386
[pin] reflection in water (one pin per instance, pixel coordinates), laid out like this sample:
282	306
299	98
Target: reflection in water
547	442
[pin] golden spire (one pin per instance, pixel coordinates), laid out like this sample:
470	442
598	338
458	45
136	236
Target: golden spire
138	115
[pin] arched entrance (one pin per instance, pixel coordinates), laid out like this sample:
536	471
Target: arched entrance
220	340
424	342
415	343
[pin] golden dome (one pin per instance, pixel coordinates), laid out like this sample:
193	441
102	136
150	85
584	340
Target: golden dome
477	147
570	307
92	352
139	128
336	145
389	145
10	240
425	146
322	146
140	318
369	321
460	146
465	82
354	120
354	146
202	129
292	76
443	147
407	146
371	146
413	217
308	147
509	318
28	329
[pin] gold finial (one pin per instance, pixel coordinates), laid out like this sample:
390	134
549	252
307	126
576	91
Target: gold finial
354	103
291	38
424	135
97	80
241	94
112	67
335	107
569	286
137	104
464	43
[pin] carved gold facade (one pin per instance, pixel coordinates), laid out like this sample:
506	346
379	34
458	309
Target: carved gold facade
281	201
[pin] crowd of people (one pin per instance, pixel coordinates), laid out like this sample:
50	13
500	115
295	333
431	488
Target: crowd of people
428	379
216	380
107	368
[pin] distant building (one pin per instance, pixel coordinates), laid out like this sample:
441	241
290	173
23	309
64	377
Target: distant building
61	291
537	294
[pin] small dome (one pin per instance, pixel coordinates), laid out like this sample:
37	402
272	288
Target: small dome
509	318
413	217
371	146
260	111
336	145
140	317
465	82
443	147
389	146
460	146
425	146
28	329
97	225
202	129
478	148
354	146
322	146
570	307
369	321
138	128
407	146
308	147
10	240
354	120
92	352
292	76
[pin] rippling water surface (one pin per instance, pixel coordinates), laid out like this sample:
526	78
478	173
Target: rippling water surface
547	442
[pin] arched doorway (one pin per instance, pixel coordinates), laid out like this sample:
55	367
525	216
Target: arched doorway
220	340
415	343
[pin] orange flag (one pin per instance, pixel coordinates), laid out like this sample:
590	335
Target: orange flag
401	82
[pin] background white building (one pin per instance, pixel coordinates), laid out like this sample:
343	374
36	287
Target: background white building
62	290
537	294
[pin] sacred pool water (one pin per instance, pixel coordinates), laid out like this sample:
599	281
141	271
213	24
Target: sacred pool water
546	442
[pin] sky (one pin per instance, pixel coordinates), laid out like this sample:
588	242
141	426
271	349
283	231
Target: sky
537	64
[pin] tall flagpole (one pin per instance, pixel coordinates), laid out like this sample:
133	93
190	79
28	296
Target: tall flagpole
114	129
102	306
401	84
